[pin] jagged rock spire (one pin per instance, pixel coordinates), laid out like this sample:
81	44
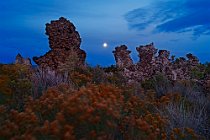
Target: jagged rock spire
63	41
20	60
122	56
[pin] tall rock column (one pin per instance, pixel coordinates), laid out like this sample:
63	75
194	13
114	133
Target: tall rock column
64	41
192	60
24	61
146	59
122	56
146	53
162	61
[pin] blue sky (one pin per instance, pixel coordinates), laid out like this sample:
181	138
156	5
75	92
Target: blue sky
180	26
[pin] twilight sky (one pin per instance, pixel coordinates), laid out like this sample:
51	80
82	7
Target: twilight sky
180	26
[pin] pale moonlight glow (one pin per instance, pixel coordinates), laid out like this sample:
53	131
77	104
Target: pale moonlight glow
105	45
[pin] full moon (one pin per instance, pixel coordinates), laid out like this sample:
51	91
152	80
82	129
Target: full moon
105	45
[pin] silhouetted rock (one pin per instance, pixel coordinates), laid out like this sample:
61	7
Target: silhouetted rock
63	40
146	53
149	64
193	60
24	61
162	61
146	63
122	56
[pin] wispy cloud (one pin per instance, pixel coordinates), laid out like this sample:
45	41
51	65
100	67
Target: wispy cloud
173	16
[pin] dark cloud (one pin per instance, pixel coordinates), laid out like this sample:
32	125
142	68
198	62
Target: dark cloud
173	16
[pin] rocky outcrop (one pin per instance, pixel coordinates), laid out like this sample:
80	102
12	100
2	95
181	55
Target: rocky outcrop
146	54
150	64
184	67
192	60
181	68
23	61
145	66
63	41
122	56
162	64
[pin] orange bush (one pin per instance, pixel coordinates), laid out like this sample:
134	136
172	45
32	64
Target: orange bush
89	111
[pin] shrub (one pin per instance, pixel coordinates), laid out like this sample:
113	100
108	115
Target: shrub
90	103
196	74
15	84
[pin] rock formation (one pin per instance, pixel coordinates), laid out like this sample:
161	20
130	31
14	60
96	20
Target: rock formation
184	67
122	56
63	40
146	53
192	60
20	60
149	64
162	61
146	59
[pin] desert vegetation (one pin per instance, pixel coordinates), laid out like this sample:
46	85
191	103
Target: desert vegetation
83	102
62	97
